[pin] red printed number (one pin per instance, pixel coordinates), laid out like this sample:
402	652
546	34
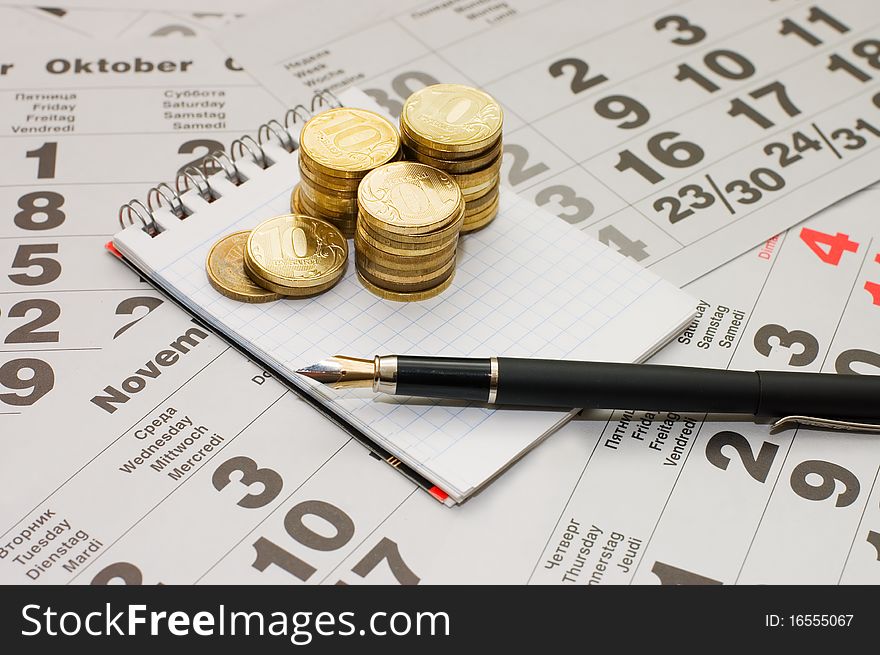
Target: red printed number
835	245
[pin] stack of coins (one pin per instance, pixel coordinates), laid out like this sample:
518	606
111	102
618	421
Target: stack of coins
290	256
338	147
457	129
407	231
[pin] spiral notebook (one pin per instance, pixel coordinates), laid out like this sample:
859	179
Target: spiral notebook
527	285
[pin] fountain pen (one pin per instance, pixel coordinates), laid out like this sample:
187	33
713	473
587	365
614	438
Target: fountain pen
820	399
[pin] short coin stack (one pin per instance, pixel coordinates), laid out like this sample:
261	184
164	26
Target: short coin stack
457	129
407	231
286	256
338	147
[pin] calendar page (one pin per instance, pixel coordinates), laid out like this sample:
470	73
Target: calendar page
86	126
680	133
611	498
25	24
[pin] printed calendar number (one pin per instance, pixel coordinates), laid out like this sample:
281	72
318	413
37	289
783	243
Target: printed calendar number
46	156
251	474
818	19
574	208
47	311
340	530
520	170
723	64
125	572
30	256
40	210
686	32
807	343
757	466
812	479
129	307
672	575
637	250
26	374
774	90
402	86
630	112
666	150
867	53
581	80
834	246
845	361
830	475
210	146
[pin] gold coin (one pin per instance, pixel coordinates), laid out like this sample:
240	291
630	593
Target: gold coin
390	282
409	198
338	204
346	185
480	203
348	142
481	219
402	249
452	166
225	266
477	178
396	262
414	296
412	241
299	254
452	117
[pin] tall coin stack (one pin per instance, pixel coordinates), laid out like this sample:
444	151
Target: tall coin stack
407	231
338	147
457	129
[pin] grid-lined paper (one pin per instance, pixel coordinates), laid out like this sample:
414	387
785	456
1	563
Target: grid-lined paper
526	285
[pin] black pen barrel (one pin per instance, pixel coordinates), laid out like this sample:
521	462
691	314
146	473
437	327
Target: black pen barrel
551	383
825	395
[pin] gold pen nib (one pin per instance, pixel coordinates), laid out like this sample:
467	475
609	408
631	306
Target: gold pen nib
342	372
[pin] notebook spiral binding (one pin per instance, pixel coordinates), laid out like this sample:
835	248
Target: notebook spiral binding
198	177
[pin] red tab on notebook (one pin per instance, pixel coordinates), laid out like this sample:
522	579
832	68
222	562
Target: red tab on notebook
438	493
112	249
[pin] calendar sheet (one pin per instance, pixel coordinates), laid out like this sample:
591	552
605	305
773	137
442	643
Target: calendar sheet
611	498
681	133
86	126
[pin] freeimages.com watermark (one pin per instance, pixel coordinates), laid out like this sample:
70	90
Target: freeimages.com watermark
300	627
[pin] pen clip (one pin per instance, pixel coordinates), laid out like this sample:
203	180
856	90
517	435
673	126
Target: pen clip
825	423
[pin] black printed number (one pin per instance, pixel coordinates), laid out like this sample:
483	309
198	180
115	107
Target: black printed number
210	146
40	210
809	345
46	156
829	474
130	306
251	474
689	34
758	466
22	375
47	313
125	572
48	268
403	86
580	80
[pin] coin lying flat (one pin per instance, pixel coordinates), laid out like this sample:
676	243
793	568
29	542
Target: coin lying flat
409	198
296	255
452	117
225	266
348	142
